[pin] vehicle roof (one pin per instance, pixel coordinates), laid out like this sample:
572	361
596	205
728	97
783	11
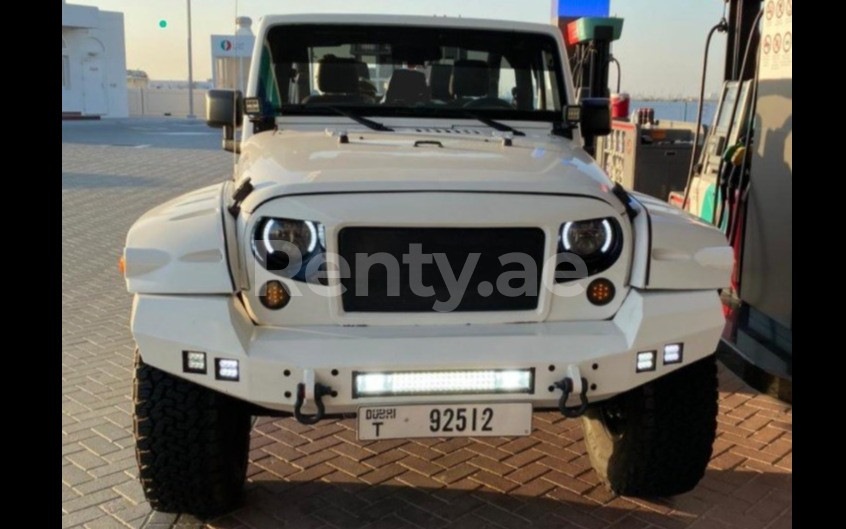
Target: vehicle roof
408	20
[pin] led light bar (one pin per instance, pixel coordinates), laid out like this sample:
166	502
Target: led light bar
646	361
443	382
673	353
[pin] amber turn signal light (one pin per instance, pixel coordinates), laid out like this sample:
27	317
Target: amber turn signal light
274	295
122	265
600	291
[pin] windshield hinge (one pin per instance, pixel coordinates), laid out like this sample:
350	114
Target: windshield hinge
621	193
261	118
343	135
560	128
239	195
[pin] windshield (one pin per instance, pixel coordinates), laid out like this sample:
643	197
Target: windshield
411	71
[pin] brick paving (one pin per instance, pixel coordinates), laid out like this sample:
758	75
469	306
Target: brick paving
321	477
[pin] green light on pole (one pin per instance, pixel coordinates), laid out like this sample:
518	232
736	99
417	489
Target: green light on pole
162	24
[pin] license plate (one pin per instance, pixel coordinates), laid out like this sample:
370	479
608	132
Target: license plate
454	420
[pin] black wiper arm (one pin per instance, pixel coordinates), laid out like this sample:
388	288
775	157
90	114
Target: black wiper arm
496	125
369	123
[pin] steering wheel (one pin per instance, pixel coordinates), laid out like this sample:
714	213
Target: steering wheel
488	102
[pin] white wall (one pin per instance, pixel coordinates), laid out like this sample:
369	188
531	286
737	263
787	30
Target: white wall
98	47
152	102
79	16
72	74
112	30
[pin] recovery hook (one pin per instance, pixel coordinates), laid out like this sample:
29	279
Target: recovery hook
567	386
319	392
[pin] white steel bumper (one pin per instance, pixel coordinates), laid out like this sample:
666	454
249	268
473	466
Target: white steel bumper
274	360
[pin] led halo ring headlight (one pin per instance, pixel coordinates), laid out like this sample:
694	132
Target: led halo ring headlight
300	233
597	242
286	247
587	237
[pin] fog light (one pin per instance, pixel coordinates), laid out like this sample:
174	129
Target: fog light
226	369
646	361
194	362
443	382
274	295
673	353
600	291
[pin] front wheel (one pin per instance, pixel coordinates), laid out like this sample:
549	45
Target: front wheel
191	443
656	439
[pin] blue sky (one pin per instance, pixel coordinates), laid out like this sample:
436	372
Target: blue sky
660	51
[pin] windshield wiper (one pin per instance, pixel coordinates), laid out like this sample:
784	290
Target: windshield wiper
369	123
496	125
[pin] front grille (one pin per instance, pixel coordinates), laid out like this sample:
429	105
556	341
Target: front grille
368	289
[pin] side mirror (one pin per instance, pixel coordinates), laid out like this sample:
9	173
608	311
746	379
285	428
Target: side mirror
224	109
595	119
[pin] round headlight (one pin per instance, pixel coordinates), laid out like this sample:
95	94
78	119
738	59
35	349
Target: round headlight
594	243
277	234
588	237
286	246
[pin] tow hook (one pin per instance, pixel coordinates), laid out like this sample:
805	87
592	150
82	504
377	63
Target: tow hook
568	387
310	390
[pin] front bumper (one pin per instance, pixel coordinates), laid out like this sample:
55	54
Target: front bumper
274	360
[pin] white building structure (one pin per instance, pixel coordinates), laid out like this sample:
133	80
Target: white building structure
137	79
231	56
93	62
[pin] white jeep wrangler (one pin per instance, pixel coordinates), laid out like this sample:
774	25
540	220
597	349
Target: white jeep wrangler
414	234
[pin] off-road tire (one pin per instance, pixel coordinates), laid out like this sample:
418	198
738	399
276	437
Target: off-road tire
191	443
656	439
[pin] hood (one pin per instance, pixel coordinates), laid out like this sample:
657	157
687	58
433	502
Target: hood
298	162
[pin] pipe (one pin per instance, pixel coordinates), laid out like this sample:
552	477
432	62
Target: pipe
734	109
722	27
747	143
741	192
615	61
190	68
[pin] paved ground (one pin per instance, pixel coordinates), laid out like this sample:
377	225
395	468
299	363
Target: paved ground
304	477
170	133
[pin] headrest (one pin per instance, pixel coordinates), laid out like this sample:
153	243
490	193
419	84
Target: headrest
407	86
361	70
337	76
439	81
469	78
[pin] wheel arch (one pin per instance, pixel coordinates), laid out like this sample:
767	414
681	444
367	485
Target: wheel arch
676	251
184	246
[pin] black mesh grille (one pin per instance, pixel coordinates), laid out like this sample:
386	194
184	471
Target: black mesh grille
454	244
